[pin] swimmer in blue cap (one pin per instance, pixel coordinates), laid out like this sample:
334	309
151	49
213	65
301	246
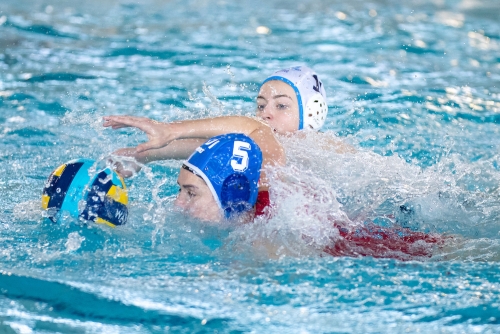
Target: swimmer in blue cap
290	100
220	179
219	168
284	106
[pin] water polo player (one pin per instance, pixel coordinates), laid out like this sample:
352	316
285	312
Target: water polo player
292	99
282	108
220	179
289	100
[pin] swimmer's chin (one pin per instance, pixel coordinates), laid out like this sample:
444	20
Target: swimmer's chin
200	219
240	219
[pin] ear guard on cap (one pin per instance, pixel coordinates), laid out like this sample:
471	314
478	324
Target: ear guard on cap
315	112
235	194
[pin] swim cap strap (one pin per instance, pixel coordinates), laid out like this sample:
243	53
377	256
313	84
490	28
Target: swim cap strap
198	172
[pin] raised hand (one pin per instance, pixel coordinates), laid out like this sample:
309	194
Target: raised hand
159	134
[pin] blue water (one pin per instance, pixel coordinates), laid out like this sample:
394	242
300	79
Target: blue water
414	88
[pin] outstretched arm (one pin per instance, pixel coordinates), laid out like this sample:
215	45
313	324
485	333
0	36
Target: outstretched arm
161	134
180	139
178	149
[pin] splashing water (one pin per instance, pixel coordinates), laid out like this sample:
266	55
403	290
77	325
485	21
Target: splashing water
412	87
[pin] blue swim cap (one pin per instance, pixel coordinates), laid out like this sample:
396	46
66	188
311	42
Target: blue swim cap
310	93
230	165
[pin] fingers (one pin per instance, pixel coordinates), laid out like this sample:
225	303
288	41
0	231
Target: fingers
127	169
157	132
123	163
113	122
142	123
123	121
127	152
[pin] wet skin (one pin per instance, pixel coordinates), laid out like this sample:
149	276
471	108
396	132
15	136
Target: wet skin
277	105
195	198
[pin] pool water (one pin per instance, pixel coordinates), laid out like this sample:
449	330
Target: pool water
414	88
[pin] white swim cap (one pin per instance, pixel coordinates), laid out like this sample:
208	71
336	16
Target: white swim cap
310	95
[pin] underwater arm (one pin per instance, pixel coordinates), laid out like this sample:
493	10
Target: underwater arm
328	141
339	146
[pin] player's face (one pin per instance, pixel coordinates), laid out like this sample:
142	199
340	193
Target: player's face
195	198
277	105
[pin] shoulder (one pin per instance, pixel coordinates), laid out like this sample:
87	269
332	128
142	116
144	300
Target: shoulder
327	141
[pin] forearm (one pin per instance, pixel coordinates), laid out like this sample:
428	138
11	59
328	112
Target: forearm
178	149
210	127
161	134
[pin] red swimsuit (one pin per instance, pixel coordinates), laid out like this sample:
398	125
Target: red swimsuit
262	203
376	241
372	240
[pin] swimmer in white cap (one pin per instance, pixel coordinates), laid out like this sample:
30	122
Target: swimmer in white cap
290	100
286	105
272	155
293	99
